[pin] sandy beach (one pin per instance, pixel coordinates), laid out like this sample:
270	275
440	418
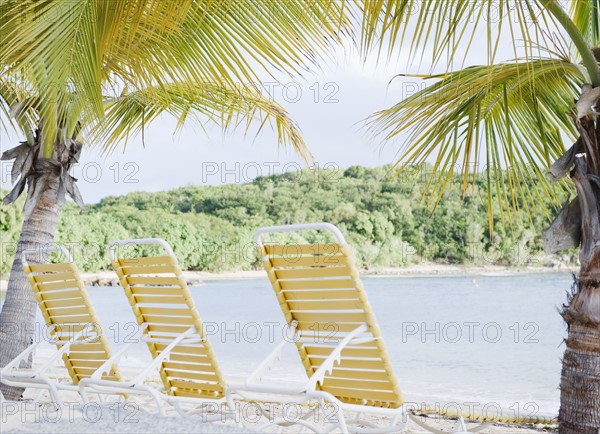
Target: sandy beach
140	415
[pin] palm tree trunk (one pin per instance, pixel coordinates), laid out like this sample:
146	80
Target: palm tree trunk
17	317
580	379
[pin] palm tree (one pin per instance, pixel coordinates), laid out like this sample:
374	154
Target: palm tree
509	119
98	71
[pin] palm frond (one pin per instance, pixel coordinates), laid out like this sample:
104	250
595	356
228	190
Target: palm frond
68	50
17	109
448	28
493	119
228	107
586	16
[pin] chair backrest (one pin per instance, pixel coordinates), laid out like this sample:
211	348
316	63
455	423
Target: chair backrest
67	311
317	286
164	308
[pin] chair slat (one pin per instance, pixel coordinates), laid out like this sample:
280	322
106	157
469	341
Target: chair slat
208	376
372	375
312	272
324	304
64	284
86	363
301	249
155	290
71	310
351	363
151	269
89	355
184	349
53	268
336	318
153	280
307	261
159	299
72	319
54	277
198	393
321	295
317	284
358	384
188	366
88	347
61	295
326	328
347	352
150	260
188	358
65	302
162	328
194	385
373	395
180	312
156	319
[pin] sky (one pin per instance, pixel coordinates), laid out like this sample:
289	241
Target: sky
329	105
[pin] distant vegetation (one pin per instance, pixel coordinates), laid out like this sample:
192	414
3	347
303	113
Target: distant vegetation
384	219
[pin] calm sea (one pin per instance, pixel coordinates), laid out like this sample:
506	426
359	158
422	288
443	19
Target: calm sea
489	342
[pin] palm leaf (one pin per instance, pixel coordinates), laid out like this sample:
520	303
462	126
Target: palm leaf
493	119
586	16
69	50
228	107
16	107
447	28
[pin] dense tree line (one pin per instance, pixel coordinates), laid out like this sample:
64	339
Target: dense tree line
385	218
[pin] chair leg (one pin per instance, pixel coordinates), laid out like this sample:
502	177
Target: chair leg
58	403
342	422
84	395
158	400
460	428
38	396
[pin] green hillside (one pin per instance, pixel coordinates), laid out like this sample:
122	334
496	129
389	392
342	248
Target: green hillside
384	218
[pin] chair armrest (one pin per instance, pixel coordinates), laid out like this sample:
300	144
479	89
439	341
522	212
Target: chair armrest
334	357
164	354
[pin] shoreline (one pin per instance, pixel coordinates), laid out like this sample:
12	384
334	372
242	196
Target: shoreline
197	278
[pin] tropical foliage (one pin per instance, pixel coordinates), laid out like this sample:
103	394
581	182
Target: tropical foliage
387	223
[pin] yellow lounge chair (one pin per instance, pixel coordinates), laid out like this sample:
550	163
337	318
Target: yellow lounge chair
172	329
72	328
338	339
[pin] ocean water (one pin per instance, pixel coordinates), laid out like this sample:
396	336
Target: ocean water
492	343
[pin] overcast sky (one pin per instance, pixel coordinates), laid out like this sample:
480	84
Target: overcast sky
328	105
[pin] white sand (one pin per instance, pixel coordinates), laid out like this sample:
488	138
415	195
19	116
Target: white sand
140	415
97	418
